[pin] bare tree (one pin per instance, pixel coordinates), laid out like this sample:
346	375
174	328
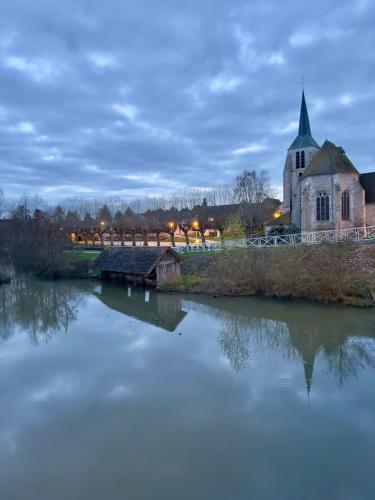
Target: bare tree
251	187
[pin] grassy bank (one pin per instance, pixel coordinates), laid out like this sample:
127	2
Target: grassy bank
341	273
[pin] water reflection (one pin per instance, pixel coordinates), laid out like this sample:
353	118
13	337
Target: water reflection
246	326
118	408
40	308
293	329
161	310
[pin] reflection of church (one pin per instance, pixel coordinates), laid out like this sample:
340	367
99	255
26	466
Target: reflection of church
322	188
305	329
338	338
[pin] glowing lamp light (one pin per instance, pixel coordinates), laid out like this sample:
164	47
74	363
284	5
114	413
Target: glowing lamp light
195	224
278	214
102	223
171	225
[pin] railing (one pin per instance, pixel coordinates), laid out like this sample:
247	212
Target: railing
305	238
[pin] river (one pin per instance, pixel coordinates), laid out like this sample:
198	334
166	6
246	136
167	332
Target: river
109	392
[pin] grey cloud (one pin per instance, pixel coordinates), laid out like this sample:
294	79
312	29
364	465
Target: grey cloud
198	80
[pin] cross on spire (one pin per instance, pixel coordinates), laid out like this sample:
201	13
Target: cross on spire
302	82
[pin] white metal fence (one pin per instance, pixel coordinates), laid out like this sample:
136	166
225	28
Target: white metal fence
306	238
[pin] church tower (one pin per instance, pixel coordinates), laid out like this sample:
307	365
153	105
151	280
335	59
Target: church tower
300	153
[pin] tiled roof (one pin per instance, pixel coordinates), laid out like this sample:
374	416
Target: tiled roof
330	159
132	260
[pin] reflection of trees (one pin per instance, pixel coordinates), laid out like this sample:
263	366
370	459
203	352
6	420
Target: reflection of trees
349	358
241	335
234	339
38	307
296	330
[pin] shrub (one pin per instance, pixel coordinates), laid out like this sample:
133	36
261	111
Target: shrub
234	228
326	272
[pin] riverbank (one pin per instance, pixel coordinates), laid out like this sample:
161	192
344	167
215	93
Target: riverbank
331	273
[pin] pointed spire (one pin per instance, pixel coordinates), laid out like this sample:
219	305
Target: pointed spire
304	123
308	366
304	138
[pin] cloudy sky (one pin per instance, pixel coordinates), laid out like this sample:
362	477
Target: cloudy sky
147	97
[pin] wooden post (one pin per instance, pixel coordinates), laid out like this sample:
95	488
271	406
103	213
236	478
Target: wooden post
186	234
171	233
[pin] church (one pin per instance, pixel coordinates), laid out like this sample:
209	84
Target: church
322	188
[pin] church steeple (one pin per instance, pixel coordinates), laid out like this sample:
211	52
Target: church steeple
304	123
304	138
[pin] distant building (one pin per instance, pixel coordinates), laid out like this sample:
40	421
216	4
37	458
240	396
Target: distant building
152	266
322	187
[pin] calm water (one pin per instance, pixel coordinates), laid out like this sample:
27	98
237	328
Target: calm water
108	393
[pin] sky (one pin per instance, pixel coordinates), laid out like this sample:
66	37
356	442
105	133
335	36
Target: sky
149	97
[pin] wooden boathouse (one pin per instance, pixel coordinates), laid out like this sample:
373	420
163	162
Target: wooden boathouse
151	266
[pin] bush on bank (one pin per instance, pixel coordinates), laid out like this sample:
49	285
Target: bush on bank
342	272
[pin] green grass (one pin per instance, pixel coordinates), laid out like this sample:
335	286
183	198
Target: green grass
77	255
187	282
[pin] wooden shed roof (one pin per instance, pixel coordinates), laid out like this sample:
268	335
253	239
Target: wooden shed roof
132	260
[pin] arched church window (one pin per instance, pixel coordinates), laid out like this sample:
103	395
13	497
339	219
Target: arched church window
302	159
298	160
322	206
345	205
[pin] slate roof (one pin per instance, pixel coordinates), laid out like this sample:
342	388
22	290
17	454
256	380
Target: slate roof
266	208
132	260
368	184
330	159
304	138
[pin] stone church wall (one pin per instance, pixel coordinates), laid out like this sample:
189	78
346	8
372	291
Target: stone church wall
333	185
310	187
292	182
370	214
350	182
